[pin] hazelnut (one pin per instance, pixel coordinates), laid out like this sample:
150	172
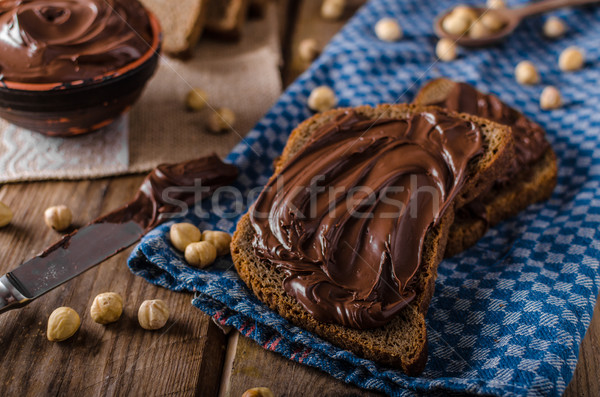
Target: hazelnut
196	99
62	324
455	25
321	99
221	120
492	21
550	98
107	308
445	50
183	234
465	12
58	217
258	392
571	59
220	240
388	29
6	214
478	30
496	4
308	50
332	9
554	28
201	254
153	314
526	73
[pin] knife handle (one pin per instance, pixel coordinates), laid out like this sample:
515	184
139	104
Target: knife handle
10	296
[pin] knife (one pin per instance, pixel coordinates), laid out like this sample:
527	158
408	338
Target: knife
166	192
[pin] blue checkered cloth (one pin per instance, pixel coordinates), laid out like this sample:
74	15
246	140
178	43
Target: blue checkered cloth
509	314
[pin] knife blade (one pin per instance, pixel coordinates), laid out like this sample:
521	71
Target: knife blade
112	233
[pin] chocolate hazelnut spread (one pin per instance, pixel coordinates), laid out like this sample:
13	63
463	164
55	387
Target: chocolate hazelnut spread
154	199
117	230
529	137
49	41
144	212
347	216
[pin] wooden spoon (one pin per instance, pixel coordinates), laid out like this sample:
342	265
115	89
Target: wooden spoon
511	18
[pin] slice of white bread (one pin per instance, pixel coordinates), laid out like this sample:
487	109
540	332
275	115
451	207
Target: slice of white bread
402	343
534	183
182	23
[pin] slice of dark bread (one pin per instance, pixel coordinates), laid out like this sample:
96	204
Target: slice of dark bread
181	22
257	8
402	343
226	18
534	183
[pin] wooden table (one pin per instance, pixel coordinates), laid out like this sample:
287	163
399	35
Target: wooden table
190	356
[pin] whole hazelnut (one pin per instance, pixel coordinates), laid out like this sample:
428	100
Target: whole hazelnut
196	99
388	29
153	314
526	73
201	254
445	49
258	392
106	308
6	214
321	99
465	12
333	9
554	27
492	21
455	25
496	4
308	50
58	217
183	234
550	98
478	30
571	59
219	239
62	324
221	120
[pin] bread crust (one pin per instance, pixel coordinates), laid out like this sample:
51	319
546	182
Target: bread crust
226	18
402	343
181	31
534	184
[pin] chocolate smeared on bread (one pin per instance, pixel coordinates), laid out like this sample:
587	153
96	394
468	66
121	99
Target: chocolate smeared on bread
529	178
401	342
350	254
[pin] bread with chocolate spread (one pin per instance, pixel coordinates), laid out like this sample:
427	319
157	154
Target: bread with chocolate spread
529	178
365	285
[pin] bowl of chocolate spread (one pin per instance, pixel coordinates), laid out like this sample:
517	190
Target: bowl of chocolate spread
68	67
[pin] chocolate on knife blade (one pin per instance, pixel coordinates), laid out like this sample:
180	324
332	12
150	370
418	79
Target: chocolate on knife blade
161	194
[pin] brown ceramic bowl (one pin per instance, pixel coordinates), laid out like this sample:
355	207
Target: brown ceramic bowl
77	107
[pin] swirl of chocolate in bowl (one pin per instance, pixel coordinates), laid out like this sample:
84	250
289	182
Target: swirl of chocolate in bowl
73	66
52	41
347	216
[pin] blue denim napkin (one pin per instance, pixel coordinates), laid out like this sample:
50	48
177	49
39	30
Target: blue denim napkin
509	314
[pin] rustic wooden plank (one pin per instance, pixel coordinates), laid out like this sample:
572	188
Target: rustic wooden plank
184	358
586	379
254	366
